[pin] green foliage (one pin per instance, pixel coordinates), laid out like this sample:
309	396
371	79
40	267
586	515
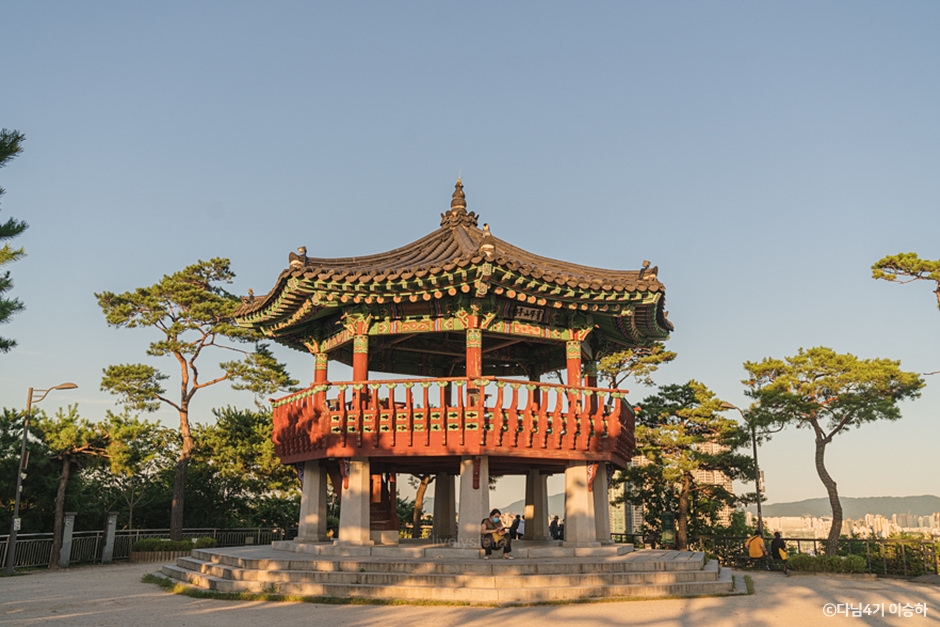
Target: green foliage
139	454
240	478
639	363
10	146
827	563
191	313
146	545
679	432
907	267
137	386
854	564
827	392
803	562
39	486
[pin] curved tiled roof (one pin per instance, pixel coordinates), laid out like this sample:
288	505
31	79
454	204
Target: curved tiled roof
457	244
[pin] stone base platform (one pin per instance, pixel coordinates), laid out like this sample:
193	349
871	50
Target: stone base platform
442	573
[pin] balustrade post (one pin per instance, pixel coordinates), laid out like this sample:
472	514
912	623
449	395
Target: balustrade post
65	553
107	552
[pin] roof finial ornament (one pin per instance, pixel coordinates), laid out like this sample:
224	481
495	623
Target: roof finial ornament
459	200
488	244
458	215
647	270
298	259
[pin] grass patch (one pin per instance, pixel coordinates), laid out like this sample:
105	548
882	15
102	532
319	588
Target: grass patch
749	584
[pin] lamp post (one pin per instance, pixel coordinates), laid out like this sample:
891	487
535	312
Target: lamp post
760	518
21	472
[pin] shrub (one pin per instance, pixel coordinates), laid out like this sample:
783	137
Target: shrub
802	562
830	563
854	564
162	544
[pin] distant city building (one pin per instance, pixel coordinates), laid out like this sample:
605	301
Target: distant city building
870	526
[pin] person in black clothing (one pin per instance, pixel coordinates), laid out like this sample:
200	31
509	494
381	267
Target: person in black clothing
514	528
553	528
778	551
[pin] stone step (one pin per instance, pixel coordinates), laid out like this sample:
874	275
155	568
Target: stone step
667	561
455	578
450	579
448	551
723	584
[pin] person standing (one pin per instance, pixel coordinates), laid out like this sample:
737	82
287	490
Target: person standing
778	551
514	528
521	530
553	528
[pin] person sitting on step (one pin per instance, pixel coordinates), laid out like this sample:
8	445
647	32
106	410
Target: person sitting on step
494	535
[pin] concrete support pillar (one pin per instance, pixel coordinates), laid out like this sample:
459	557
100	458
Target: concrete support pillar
474	499
65	553
312	527
110	527
580	529
602	505
445	508
354	513
536	506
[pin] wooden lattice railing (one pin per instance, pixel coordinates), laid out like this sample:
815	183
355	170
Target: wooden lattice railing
454	416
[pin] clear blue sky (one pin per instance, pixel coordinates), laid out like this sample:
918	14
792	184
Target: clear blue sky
763	155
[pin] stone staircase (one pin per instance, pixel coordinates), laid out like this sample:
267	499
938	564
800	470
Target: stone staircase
446	574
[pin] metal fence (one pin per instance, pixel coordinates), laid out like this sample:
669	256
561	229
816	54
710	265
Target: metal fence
34	550
907	558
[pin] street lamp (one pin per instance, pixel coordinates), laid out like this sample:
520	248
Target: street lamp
760	518
21	472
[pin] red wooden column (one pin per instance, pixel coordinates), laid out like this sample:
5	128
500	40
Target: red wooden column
360	368
474	353
573	360
361	357
474	361
320	366
590	380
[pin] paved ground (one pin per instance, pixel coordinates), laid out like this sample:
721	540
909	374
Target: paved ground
114	595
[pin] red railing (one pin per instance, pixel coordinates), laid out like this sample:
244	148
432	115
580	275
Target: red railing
452	416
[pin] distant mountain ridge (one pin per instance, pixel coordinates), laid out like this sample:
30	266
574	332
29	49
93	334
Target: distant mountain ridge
852	507
856	507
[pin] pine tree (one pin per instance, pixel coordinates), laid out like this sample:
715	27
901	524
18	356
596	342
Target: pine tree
9	147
